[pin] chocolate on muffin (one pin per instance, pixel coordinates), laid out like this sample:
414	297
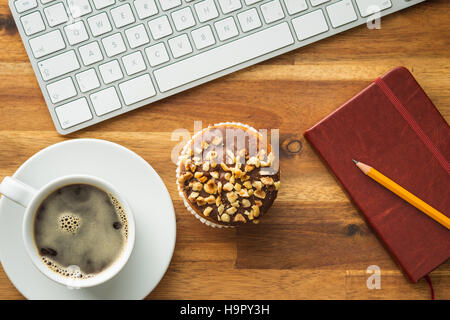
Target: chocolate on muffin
228	175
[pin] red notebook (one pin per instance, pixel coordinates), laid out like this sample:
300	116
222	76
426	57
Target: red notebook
394	127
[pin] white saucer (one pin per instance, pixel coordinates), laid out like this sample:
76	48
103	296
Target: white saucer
141	186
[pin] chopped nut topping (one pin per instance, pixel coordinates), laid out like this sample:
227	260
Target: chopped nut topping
258	203
225	217
218	200
232	179
217	140
231	210
205	166
267	172
235	204
213	164
197	186
277	185
237	187
214	174
254	161
193	195
260	194
198	175
228	186
185	177
224	167
219	187
238	173
232	197
239	218
227	176
256	221
258	185
203	179
220	209
267	180
207	211
210	187
245	178
244	193
250	192
246	203
210	200
255	211
248	168
248	184
200	201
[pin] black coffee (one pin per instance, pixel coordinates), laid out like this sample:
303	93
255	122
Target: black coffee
80	230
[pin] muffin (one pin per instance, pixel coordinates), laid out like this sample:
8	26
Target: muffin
227	175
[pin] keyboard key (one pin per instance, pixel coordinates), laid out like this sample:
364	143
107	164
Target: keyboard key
76	32
203	37
56	14
223	57
157	54
272	11
228	6
24	5
58	65
250	2
122	15
73	113
133	63
79	8
226	28
206	10
47	43
114	45
145	8
295	6
100	4
160	27
61	90
110	71
317	2
105	101
137	36
368	7
183	19
99	24
137	89
249	20
90	53
169	4
310	24
341	13
32	23
87	80
180	46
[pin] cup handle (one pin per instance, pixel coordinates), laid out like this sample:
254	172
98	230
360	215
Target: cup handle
17	191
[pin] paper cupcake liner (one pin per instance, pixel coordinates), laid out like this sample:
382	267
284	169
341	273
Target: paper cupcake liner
185	201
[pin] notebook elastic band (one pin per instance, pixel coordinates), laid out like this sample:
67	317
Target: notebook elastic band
413	124
430	284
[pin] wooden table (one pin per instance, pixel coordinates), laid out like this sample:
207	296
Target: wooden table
314	244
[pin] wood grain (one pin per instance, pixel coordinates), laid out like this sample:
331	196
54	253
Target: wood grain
314	244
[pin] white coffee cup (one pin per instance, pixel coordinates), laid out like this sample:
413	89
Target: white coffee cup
31	198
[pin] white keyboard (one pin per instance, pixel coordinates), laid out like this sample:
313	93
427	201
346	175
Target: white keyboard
96	59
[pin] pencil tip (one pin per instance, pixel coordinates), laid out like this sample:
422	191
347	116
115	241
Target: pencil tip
356	162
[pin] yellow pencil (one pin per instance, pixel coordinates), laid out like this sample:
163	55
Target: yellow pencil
404	194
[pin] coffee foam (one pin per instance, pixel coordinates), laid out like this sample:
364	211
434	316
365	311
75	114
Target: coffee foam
75	226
